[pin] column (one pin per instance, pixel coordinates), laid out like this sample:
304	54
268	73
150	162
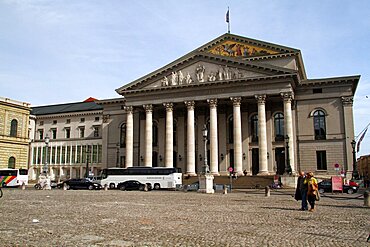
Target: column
148	135
129	136
190	168
213	136
288	125
238	156
262	136
347	103
168	160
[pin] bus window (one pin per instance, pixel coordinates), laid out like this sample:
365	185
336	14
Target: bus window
23	172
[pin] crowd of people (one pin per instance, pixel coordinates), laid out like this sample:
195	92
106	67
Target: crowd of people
307	191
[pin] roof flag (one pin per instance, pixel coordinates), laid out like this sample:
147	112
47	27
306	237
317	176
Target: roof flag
360	140
228	19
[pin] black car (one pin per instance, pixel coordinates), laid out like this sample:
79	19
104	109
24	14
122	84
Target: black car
326	186
80	183
133	185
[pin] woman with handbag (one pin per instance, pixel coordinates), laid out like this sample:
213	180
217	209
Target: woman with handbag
312	190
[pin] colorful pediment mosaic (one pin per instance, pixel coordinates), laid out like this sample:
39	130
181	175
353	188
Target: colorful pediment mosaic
238	49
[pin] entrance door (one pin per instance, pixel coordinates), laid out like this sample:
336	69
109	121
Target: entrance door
280	160
231	154
255	161
155	159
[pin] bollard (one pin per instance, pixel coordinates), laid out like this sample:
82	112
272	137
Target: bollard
105	187
23	186
267	191
64	186
225	189
366	199
145	187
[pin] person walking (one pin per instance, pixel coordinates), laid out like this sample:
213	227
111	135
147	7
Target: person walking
312	188
301	191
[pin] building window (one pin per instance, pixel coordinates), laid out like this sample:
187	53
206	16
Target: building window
68	133
11	163
41	134
319	125
54	133
254	128
13	128
68	121
122	138
279	126
97	119
321	160
82	120
155	134
96	131
82	132
55	122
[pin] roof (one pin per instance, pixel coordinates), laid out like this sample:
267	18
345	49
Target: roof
65	108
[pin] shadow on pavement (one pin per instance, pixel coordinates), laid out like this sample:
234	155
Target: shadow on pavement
280	208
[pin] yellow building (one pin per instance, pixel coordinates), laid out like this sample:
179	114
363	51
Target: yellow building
363	166
14	133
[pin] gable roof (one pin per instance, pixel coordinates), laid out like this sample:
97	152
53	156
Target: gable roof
66	108
232	49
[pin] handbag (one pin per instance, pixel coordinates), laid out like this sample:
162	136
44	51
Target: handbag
317	194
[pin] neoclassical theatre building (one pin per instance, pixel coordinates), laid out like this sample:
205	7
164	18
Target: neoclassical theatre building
263	115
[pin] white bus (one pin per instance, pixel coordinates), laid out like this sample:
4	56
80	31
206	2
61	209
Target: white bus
13	177
157	177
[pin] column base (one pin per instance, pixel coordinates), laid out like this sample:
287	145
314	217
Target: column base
206	184
263	173
215	173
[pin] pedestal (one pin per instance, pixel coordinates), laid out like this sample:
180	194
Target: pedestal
288	181
206	184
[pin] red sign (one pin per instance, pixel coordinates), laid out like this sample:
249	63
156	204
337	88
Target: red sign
336	165
336	183
231	169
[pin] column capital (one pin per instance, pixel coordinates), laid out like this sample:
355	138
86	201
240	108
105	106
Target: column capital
168	105
236	100
148	108
261	98
129	109
212	102
190	104
347	101
288	96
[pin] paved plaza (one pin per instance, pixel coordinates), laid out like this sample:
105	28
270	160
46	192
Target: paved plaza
175	218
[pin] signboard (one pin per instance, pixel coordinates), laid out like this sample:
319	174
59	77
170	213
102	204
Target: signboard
336	183
336	167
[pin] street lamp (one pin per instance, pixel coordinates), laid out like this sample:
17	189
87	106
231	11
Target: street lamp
354	173
205	134
88	151
47	140
287	167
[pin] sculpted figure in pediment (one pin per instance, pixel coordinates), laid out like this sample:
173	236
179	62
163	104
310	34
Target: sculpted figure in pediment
181	77
200	73
174	78
212	76
164	82
188	79
220	73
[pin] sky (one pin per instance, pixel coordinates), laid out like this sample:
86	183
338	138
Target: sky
54	51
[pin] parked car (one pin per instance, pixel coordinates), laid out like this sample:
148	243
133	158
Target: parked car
133	185
326	186
80	183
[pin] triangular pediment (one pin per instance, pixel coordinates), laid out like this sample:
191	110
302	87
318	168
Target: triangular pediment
228	57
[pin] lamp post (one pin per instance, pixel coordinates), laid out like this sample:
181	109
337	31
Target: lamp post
88	151
287	167
205	134
45	169
354	173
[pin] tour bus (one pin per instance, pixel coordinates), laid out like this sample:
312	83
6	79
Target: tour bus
13	177
157	177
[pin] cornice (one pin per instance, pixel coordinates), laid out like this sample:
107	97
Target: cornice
63	115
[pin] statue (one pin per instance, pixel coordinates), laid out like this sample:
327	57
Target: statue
219	73
200	73
174	78
164	81
188	79
181	77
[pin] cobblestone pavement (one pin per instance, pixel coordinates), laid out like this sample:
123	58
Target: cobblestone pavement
175	218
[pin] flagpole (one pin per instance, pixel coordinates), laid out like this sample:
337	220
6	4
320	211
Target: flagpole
356	137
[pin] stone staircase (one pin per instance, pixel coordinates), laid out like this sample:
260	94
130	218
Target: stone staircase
242	182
